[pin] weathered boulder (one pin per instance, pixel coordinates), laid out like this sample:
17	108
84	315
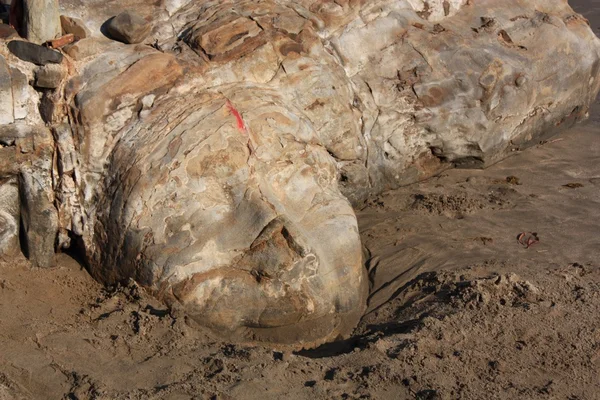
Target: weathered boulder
226	213
41	20
468	89
75	26
220	172
129	27
34	53
230	188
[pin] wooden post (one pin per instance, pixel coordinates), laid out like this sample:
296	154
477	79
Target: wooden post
41	20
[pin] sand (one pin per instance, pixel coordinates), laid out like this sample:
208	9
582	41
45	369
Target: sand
458	307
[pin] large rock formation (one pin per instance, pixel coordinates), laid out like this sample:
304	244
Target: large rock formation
218	167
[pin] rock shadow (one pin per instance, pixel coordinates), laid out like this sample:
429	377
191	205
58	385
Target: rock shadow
405	312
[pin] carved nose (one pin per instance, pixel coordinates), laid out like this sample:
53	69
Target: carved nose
281	290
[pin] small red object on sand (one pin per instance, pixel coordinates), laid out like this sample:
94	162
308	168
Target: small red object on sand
528	239
61	41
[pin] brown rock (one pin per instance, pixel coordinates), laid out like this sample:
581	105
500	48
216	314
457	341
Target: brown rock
61	41
51	108
49	76
128	27
11	132
74	26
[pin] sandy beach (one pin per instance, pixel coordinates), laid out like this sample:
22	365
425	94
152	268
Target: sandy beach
485	284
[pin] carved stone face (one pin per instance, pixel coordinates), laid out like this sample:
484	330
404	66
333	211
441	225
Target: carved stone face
239	221
218	167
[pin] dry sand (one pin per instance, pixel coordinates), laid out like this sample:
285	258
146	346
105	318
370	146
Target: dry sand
458	310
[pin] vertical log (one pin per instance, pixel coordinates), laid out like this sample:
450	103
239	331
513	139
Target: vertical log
41	20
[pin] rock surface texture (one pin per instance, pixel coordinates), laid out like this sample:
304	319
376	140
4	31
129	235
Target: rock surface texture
9	217
7	32
219	168
74	26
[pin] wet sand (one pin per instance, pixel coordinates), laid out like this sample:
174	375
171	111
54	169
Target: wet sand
458	307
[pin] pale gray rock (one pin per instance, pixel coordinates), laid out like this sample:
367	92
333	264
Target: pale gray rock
39	216
67	156
220	175
40	220
6	95
75	26
49	76
67	200
41	20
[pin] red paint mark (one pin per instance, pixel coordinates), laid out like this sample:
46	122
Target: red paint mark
240	122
